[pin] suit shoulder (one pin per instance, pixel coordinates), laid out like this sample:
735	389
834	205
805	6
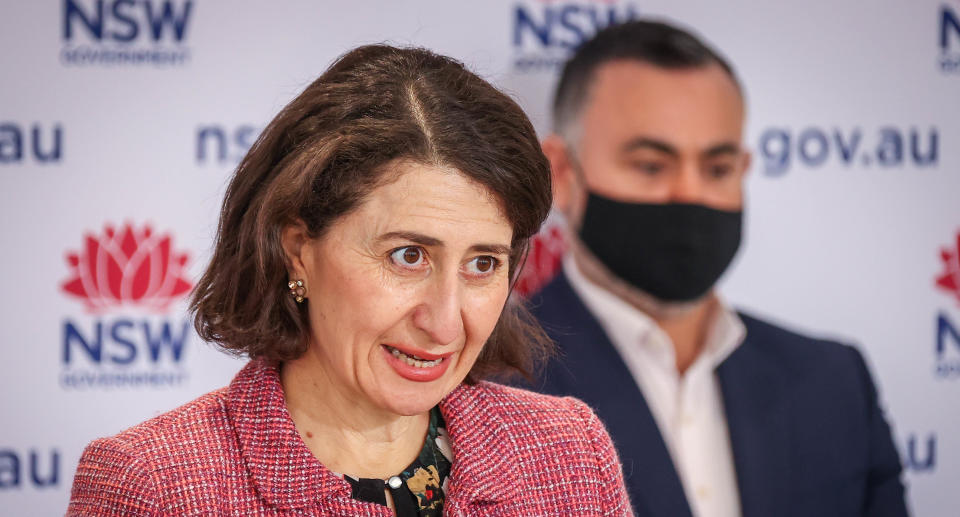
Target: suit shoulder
553	299
796	349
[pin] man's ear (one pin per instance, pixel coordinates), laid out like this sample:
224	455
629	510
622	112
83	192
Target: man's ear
297	248
561	171
746	160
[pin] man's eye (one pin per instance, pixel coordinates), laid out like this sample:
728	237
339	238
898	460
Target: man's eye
720	171
410	256
482	265
649	168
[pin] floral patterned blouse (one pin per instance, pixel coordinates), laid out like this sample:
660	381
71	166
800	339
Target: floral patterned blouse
418	491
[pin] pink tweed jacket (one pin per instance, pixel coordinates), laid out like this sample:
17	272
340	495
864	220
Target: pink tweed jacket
235	451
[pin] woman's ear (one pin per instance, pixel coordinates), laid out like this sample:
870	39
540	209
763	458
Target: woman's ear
296	244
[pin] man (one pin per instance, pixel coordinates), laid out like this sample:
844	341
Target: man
714	413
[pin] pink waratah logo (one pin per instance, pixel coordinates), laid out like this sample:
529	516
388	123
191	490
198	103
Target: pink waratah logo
543	262
949	280
129	266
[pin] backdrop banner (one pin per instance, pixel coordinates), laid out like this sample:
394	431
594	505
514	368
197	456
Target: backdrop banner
122	121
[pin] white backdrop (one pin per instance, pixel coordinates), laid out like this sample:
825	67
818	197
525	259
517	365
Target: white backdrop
121	120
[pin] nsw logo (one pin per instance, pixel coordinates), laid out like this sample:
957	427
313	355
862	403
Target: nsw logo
948	329
127	278
224	145
920	453
543	262
949	279
132	266
546	31
949	40
36	143
812	147
125	32
35	468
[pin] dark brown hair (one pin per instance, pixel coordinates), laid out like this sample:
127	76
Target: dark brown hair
331	146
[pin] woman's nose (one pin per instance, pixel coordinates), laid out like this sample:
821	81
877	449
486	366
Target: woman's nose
439	314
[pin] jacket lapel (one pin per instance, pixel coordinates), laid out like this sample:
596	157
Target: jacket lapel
590	368
649	472
484	470
758	417
284	471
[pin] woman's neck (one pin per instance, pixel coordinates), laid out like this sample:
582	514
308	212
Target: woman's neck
347	435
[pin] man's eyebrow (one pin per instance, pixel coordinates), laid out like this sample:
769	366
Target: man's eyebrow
650	143
426	240
720	149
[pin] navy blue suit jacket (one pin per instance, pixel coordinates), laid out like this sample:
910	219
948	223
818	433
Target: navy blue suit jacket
808	436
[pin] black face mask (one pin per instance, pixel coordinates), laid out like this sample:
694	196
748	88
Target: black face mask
674	252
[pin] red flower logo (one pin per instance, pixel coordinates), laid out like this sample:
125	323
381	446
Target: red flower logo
949	280
128	266
543	262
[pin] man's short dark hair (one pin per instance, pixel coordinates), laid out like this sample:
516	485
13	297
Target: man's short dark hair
656	43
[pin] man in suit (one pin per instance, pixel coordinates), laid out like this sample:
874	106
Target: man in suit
714	413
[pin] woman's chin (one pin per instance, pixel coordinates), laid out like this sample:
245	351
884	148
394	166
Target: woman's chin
410	401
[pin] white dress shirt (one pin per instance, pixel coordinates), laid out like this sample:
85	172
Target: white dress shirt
688	408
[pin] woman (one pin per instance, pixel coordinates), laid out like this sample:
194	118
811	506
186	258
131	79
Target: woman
363	262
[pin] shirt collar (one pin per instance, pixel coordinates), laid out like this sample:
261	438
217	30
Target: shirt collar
628	327
726	334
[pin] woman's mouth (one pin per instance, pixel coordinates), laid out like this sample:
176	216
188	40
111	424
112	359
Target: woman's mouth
413	360
416	365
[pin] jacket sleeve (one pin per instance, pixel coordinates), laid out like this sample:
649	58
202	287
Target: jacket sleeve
613	501
111	481
885	492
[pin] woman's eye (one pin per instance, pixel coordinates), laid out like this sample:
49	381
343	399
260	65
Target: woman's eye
482	265
410	256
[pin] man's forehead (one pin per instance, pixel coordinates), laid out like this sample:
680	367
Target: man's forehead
686	108
621	76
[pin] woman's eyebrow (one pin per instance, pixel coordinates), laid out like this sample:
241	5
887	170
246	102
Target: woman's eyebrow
496	249
419	238
426	240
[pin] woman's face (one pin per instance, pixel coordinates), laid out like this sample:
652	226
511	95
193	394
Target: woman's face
404	291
